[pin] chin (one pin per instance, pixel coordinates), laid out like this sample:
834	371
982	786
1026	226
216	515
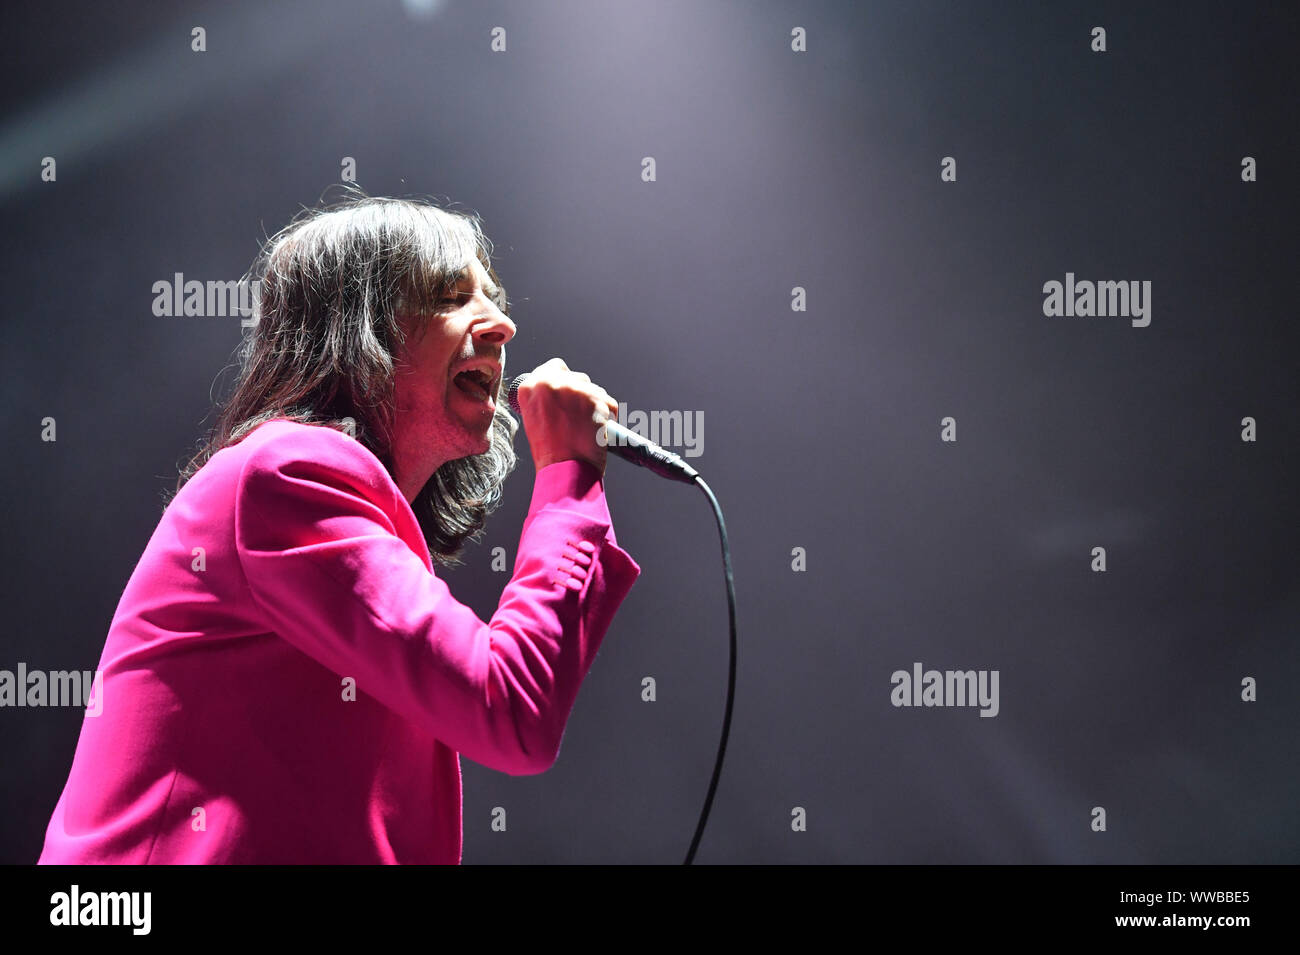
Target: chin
479	444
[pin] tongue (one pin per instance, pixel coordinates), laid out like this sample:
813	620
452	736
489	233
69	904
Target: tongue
469	385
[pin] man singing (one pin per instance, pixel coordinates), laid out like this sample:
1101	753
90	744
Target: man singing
286	679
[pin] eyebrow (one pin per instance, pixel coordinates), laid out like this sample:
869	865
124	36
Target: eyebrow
491	289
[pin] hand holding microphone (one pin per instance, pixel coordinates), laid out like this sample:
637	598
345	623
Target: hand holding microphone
562	410
567	416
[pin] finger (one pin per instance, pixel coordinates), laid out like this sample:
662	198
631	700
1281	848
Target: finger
550	366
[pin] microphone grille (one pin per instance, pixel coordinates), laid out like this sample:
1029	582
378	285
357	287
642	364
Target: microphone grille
512	395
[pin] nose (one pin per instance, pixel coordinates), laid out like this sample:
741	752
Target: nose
494	326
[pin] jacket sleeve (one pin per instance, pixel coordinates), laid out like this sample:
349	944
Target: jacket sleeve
317	532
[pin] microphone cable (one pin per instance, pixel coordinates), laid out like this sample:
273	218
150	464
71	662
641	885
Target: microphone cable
637	450
731	668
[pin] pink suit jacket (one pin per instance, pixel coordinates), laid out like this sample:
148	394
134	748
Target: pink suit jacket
286	680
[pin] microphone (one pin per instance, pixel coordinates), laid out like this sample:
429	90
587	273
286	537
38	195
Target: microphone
628	445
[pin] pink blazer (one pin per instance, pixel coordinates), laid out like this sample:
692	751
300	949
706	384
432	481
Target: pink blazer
286	680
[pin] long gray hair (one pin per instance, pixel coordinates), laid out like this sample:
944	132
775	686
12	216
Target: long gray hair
337	287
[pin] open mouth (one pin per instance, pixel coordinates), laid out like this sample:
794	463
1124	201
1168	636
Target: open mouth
476	383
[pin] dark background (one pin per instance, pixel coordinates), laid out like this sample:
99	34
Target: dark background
775	169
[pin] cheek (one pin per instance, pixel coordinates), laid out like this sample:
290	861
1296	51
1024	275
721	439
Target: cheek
419	380
419	393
